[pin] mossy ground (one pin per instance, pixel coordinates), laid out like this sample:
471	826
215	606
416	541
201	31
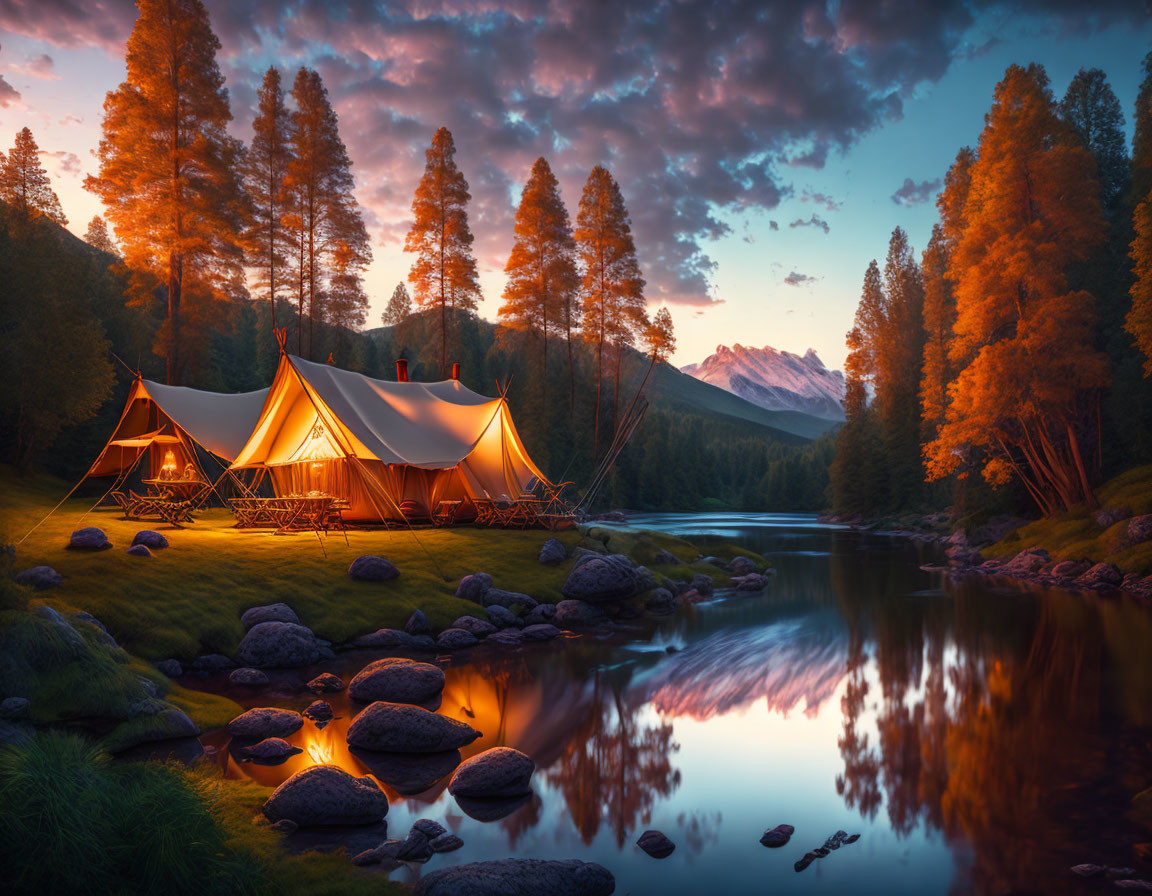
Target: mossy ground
1076	536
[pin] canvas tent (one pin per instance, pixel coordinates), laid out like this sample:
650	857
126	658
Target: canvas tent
379	444
176	424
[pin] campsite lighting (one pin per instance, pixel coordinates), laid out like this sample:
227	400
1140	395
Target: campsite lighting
319	753
168	469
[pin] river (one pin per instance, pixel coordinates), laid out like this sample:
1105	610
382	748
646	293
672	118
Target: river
979	737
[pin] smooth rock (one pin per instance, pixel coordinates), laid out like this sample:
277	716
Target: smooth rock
271	749
752	581
702	584
519	876
602	579
278	612
325	683
456	639
265	721
776	837
14	709
1087	870
577	613
494	774
429	828
150	539
249	677
741	566
417	624
171	668
541	632
660	602
89	539
326	795
1025	563
397	680
474	587
415	848
278	645
502	617
319	711
401	728
1102	574
480	628
539	614
507	637
446	843
510	599
1068	570
656	844
41	578
139	550
370	568
553	552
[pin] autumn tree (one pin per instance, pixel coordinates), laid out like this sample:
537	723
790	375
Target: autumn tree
443	272
265	172
169	172
612	289
24	183
327	231
399	306
1026	342
1139	320
98	236
541	267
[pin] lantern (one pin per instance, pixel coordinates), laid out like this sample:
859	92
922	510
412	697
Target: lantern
168	468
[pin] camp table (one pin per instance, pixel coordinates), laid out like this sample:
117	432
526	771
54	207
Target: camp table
184	489
174	512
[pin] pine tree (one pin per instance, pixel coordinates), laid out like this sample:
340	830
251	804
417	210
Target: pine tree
1091	108
24	183
168	169
541	268
939	318
324	221
1030	368
443	273
399	306
612	289
1141	176
265	171
99	237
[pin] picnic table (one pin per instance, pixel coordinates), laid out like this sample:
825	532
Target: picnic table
175	489
173	511
292	513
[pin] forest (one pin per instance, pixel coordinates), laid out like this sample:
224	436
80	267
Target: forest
1006	368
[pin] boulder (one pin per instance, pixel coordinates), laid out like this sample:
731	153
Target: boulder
1025	563
603	579
666	558
265	721
494	774
391	637
400	728
540	613
480	628
168	723
446	843
500	878
89	539
416	848
150	539
325	683
139	550
270	750
319	711
474	587
14	709
326	795
1067	570
278	645
660	602
249	677
502	617
506	637
429	828
408	773
277	612
370	568
417	624
702	584
171	668
741	566
1106	517
577	613
40	578
540	632
776	837
553	552
497	597
1102	575
752	581
63	628
656	844
1140	529
456	639
396	680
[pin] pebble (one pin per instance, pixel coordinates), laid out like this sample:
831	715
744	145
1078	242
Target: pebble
777	836
656	844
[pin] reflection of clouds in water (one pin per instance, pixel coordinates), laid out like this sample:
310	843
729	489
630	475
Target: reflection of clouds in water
698	830
784	663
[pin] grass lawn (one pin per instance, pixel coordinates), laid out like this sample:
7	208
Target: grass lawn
187	600
1076	536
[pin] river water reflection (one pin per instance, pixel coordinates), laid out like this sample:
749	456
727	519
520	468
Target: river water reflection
980	739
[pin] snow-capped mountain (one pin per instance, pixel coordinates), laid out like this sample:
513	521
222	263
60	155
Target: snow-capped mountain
778	381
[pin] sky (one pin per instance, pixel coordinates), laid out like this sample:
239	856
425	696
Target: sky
765	150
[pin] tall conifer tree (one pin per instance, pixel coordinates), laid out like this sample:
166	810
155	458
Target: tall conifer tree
399	306
24	183
98	236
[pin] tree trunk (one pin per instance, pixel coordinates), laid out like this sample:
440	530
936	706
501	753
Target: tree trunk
1089	495
175	282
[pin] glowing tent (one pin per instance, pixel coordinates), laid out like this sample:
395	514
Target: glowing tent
380	444
164	425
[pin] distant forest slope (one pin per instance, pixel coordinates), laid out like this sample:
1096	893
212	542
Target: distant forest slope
68	308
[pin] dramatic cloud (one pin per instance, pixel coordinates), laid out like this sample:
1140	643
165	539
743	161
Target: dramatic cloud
814	221
702	109
912	193
798	279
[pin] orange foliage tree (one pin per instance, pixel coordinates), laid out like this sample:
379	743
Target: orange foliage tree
98	236
1139	320
541	268
443	274
1025	342
612	289
168	173
24	183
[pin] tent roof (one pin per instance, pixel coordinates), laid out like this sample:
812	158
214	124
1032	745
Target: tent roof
219	421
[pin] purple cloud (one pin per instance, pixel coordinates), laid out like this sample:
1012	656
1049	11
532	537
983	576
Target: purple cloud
912	193
797	279
9	95
66	162
814	221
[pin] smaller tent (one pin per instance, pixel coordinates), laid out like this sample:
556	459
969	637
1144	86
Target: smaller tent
381	444
175	426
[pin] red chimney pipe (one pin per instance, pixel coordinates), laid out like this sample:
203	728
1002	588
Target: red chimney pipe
401	370
456	370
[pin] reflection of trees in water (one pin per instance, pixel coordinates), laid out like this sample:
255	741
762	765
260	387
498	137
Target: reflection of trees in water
1001	723
614	769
